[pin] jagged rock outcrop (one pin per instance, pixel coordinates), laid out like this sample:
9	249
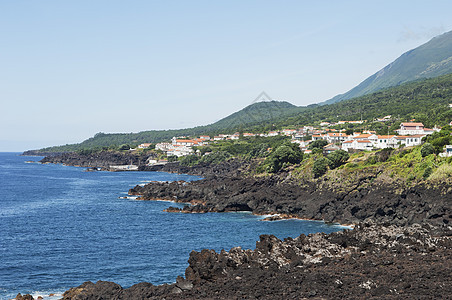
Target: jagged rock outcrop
370	261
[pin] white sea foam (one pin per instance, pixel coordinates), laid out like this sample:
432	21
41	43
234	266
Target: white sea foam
46	295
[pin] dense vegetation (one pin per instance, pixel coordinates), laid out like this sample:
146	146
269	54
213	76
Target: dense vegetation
245	148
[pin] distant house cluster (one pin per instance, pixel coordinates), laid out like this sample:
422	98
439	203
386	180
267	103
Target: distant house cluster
409	134
182	146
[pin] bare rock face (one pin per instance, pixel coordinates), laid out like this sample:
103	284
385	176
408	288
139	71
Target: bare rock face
382	203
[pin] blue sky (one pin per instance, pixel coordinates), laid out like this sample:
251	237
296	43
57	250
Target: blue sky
70	69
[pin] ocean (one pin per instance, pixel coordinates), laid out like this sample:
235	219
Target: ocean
61	226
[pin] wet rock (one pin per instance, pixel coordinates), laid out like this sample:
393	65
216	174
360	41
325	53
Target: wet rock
24	297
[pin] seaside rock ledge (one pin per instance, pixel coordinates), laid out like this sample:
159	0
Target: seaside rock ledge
370	261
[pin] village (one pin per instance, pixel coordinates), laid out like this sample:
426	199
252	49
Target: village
409	134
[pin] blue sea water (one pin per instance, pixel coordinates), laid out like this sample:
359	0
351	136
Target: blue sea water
61	226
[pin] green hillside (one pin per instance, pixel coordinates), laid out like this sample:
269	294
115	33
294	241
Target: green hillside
431	59
425	100
258	114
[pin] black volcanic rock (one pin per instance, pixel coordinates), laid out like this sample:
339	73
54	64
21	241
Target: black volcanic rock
370	261
382	203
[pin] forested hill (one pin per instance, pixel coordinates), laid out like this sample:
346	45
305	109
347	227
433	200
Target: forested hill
260	115
429	60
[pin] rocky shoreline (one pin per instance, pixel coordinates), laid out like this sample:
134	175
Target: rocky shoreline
388	255
268	195
371	261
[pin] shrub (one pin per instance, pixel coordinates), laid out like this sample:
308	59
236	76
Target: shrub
337	159
319	144
443	172
284	155
172	158
215	157
319	168
427	172
124	147
384	154
427	149
189	160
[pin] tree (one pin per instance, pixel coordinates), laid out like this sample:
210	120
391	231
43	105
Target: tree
319	168
284	155
124	147
337	159
319	144
349	131
427	149
172	158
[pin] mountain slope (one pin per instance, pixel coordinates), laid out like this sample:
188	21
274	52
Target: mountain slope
431	59
426	100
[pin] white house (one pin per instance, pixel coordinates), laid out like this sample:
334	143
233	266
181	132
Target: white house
407	140
336	137
412	128
316	137
248	134
330	148
163	146
357	145
383	141
180	151
144	145
184	142
288	132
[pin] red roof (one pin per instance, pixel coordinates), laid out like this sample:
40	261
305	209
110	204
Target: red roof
362	136
412	124
385	136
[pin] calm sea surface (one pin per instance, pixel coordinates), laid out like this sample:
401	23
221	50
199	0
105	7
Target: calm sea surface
61	226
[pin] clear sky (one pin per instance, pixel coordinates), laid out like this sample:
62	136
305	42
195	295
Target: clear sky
70	69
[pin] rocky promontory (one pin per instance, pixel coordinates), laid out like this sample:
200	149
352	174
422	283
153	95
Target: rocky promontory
272	195
369	262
